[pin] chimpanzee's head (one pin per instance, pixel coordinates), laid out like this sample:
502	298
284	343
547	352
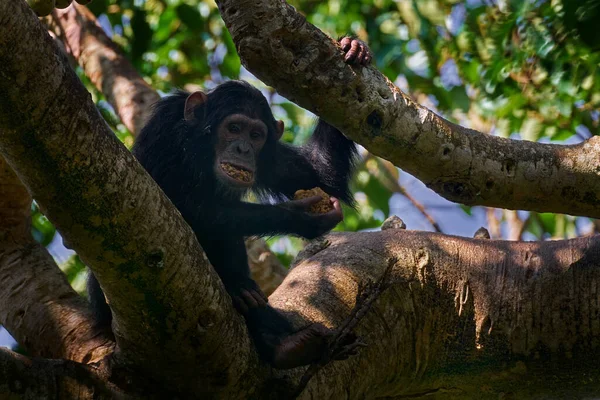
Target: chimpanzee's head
245	133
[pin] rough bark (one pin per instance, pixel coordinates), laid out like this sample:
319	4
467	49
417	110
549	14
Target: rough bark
265	268
460	311
41	310
460	164
463	317
168	305
37	305
34	379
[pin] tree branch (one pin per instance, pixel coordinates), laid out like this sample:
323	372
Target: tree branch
24	378
386	174
460	164
168	305
103	62
453	302
265	267
37	305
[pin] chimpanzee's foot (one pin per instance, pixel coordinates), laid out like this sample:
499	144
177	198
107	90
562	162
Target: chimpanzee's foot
312	345
303	347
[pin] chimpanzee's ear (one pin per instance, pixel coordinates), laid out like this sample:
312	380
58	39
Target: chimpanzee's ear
279	131
194	100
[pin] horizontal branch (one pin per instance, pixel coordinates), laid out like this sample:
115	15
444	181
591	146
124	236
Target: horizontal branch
453	302
460	164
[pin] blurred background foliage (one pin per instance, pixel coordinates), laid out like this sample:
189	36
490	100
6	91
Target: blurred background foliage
527	70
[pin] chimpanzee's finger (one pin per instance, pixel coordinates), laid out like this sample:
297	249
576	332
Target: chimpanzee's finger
240	305
304	204
262	294
248	299
336	214
337	207
353	52
259	298
365	58
345	43
360	58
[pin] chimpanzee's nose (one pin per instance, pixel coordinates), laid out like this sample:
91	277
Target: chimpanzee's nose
243	148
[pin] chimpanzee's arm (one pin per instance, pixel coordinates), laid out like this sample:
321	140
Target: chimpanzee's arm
228	257
332	155
247	219
326	161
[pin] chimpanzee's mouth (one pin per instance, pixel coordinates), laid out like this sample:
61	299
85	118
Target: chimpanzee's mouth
238	172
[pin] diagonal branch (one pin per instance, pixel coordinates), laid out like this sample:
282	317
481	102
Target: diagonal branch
460	164
105	65
168	304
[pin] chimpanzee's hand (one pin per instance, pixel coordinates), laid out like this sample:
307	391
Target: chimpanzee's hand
326	222
319	224
356	51
246	294
302	204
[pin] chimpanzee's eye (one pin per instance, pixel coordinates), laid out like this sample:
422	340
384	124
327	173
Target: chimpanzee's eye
256	135
234	128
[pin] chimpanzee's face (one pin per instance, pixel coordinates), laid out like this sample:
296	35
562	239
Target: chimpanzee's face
239	142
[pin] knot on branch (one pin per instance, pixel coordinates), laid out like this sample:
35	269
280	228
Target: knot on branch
156	259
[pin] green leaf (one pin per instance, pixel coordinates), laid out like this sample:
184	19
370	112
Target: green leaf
41	228
190	17
548	221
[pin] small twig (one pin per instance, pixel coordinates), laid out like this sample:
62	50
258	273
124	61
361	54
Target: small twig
344	343
419	207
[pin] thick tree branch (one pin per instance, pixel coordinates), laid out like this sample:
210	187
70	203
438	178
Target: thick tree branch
454	302
460	164
37	305
15	205
168	305
33	379
265	268
41	310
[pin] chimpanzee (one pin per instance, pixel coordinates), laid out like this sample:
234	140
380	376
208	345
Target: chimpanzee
206	150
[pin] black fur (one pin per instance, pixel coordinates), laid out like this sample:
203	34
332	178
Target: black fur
180	156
